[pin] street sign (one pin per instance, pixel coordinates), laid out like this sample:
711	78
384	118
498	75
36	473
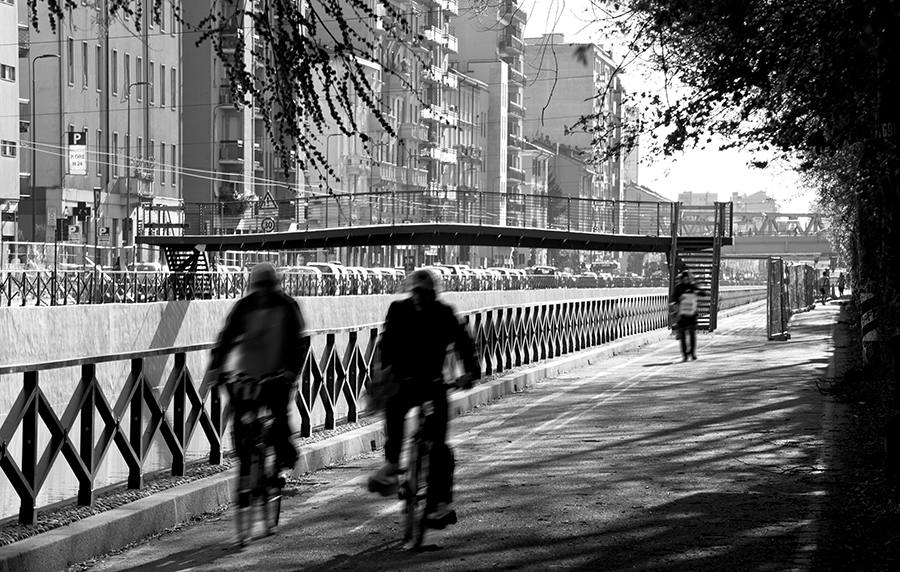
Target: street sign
77	152
74	231
268	224
268	202
103	235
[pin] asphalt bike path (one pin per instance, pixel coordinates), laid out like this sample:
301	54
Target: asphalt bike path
640	461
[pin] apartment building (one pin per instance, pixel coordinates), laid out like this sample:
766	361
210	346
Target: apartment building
9	123
564	88
228	156
491	50
119	87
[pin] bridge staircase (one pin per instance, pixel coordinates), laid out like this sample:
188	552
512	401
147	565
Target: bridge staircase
190	272
703	263
702	255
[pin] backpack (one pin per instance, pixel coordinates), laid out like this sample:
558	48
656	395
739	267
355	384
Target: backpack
687	304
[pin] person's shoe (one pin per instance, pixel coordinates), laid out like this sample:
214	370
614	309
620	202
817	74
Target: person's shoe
693	357
684	358
441	516
384	482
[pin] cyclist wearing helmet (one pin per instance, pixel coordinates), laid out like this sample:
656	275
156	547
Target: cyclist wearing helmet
264	331
418	330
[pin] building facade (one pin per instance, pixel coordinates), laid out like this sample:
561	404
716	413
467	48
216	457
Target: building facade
10	147
565	88
119	87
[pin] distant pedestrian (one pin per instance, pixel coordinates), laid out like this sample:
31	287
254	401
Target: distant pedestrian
842	283
824	285
685	302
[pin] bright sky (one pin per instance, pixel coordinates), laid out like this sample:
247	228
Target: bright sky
698	170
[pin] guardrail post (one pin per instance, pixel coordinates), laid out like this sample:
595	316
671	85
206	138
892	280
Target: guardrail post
136	423
27	508
86	433
178	415
215	415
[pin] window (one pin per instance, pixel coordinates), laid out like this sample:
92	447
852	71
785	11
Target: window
162	84
139	77
70	61
140	152
172	15
172	86
152	87
127	75
114	70
115	155
85	65
7	148
172	161
162	18
162	163
100	158
98	67
7	72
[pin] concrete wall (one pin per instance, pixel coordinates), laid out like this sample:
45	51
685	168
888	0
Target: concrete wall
36	334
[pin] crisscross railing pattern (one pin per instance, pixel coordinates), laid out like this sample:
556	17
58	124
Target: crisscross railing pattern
331	385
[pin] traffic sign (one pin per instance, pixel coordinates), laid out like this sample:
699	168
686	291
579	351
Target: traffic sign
268	202
77	152
74	230
103	235
268	224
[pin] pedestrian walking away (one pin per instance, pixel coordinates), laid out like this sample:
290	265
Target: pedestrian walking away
824	285
418	331
684	302
842	283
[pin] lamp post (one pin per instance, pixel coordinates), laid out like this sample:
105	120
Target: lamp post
127	238
33	145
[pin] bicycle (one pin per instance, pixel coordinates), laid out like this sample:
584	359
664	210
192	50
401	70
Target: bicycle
258	478
413	489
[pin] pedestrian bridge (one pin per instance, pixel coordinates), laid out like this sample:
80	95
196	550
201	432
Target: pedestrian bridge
439	217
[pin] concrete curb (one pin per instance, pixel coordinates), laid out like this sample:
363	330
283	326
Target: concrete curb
114	529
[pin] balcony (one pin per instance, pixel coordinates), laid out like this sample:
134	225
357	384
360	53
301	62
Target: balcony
516	108
414	131
442	76
515	174
452	43
358	165
228	42
471	152
440	154
516	75
511	45
440	114
227	98
416	177
384	173
450	6
515	140
434	35
509	12
231	152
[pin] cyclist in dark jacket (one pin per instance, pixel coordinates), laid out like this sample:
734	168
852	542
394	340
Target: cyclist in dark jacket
417	333
264	332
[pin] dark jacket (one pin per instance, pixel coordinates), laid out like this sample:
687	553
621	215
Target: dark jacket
265	330
415	342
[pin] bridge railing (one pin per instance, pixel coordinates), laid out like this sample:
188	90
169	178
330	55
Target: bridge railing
337	210
46	288
161	397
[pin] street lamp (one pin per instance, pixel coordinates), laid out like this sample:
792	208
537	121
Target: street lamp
34	146
127	237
